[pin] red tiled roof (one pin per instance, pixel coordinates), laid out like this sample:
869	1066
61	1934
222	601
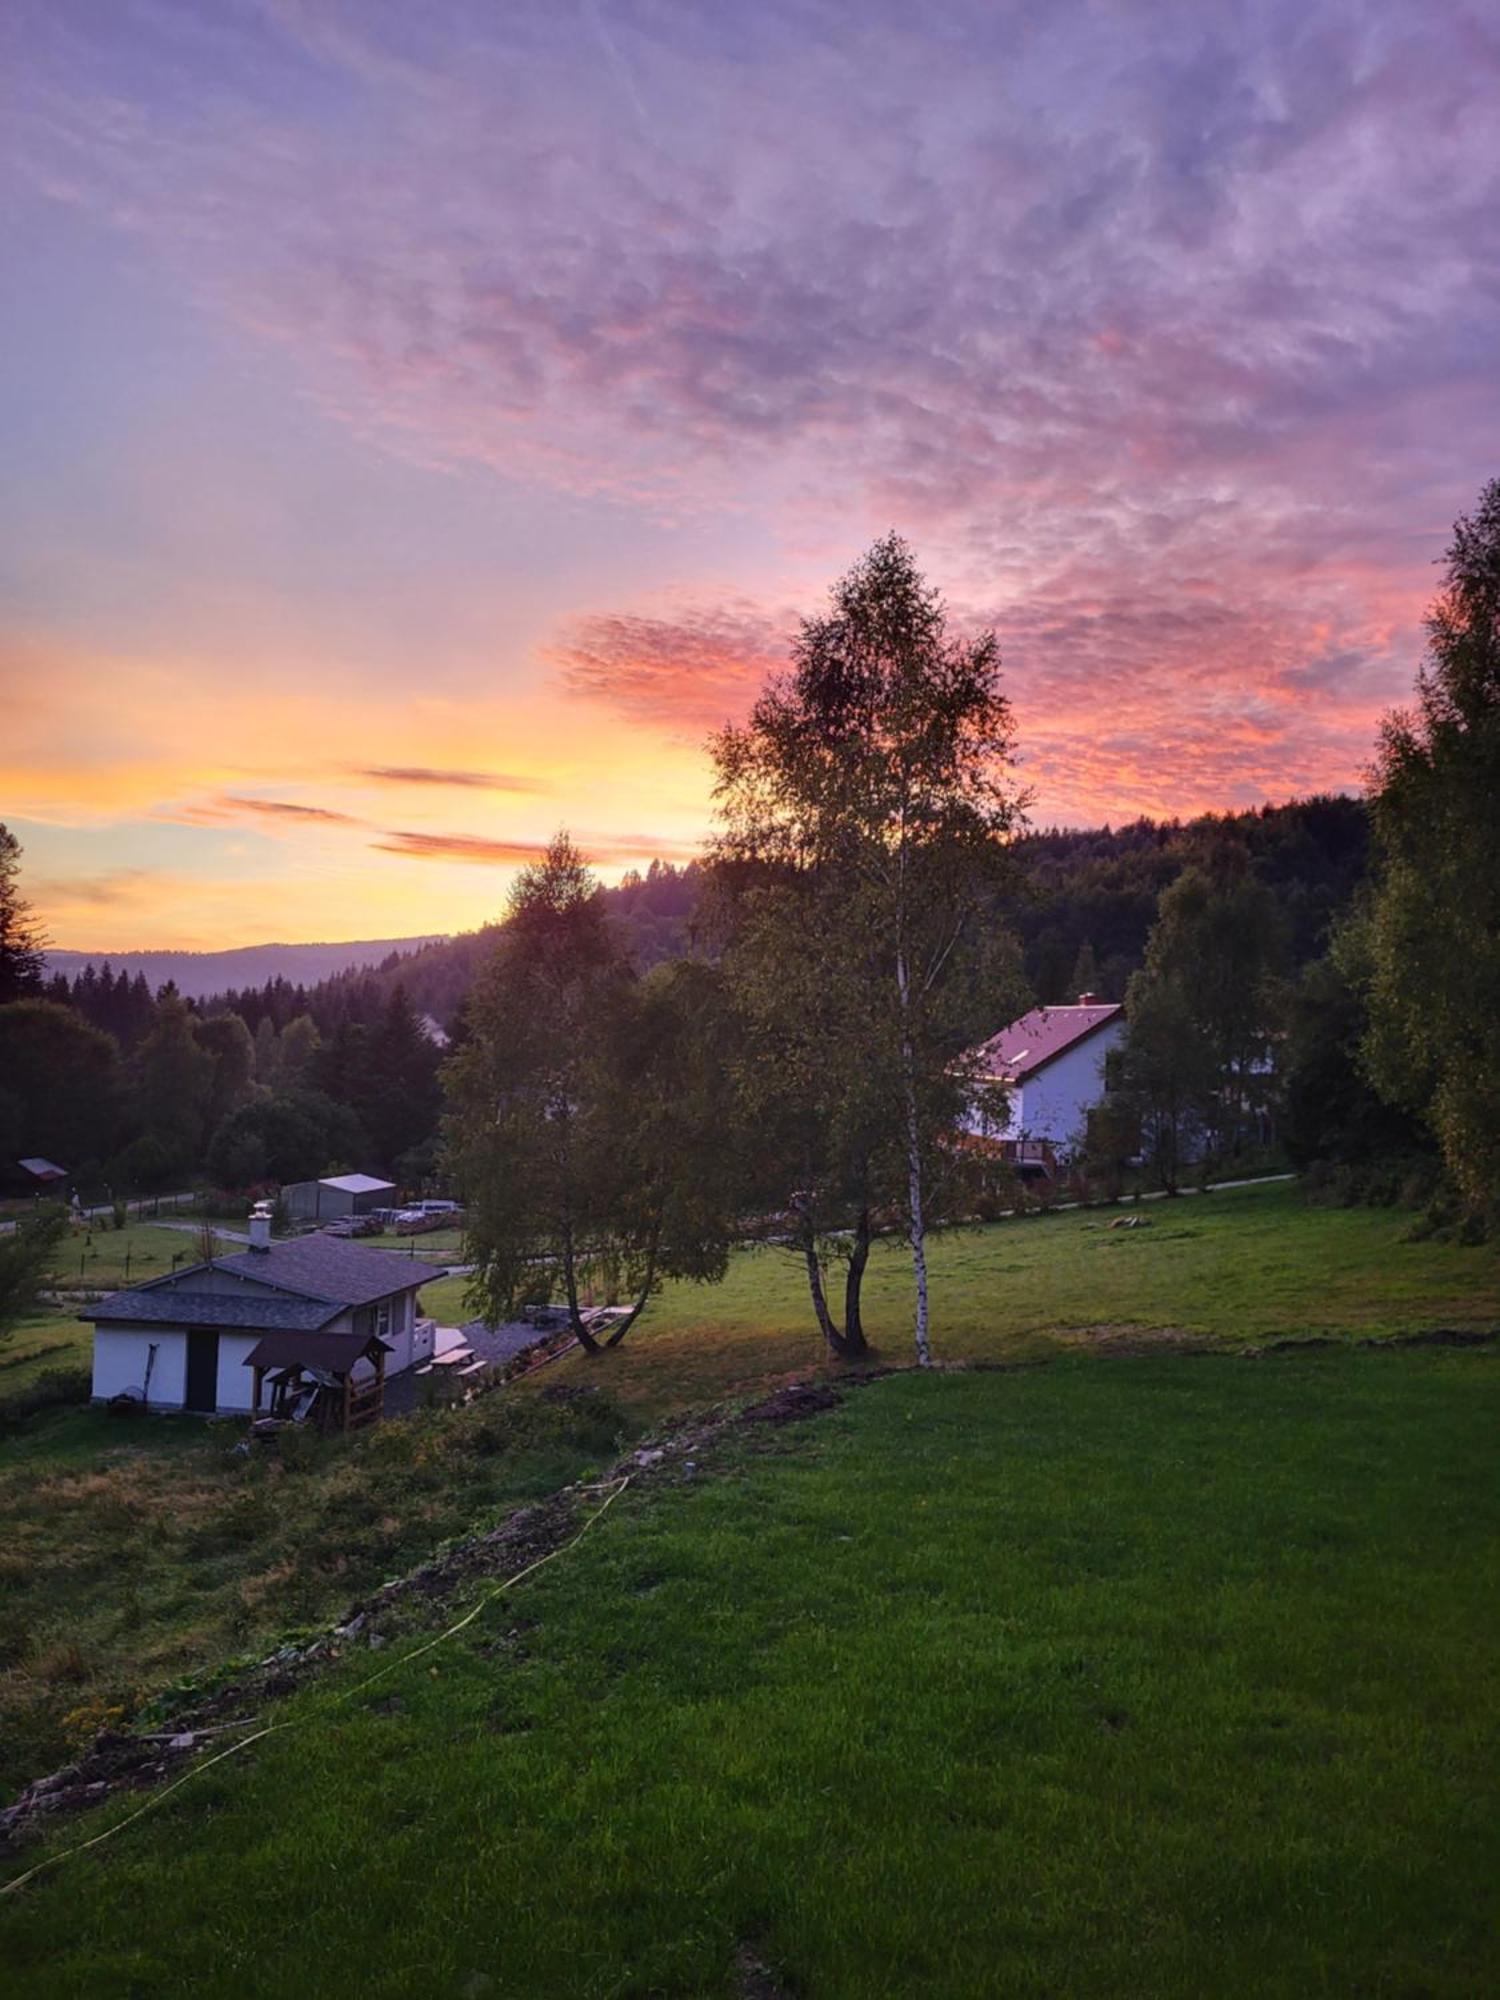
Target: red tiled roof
1039	1037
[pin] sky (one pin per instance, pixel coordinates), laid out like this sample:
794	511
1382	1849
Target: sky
421	426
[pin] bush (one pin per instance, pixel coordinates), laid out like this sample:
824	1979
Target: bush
53	1389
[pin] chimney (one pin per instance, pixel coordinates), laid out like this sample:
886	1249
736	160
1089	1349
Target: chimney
1088	999
260	1226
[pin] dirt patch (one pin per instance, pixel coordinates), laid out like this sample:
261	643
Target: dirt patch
793	1404
1440	1336
754	1979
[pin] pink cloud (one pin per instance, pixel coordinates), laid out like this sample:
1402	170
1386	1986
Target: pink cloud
687	672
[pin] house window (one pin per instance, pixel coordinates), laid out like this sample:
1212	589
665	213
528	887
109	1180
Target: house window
383	1319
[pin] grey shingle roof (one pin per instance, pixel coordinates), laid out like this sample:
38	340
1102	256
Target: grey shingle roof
327	1267
182	1306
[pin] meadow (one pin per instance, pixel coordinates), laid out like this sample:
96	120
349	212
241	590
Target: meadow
1158	1675
1237	1268
137	1552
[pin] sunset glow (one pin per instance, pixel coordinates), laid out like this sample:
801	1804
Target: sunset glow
425	424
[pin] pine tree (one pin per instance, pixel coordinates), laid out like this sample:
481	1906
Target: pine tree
22	944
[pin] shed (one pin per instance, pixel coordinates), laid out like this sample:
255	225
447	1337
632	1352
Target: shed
337	1195
311	1375
46	1173
183	1341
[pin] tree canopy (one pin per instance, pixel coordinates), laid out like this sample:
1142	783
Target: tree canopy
876	769
1433	917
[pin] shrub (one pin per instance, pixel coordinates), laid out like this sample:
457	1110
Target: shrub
52	1389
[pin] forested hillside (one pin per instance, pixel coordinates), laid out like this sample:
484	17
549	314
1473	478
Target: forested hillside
1093	894
198	975
137	1088
1090	901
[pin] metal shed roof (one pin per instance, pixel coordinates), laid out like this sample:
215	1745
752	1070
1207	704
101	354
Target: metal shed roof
357	1184
335	1351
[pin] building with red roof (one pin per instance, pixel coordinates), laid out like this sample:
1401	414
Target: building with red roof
1052	1066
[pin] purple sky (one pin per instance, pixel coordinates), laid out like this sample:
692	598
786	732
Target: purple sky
434	417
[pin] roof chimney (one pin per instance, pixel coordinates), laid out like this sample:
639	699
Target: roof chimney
260	1226
1088	999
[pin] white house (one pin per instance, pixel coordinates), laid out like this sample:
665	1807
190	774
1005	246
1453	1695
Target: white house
1053	1066
203	1338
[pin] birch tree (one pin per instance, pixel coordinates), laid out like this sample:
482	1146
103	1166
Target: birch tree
813	1096
881	762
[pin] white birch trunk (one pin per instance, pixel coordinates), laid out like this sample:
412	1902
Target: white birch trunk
918	1231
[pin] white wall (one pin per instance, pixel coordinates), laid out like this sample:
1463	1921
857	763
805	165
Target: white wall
120	1359
401	1336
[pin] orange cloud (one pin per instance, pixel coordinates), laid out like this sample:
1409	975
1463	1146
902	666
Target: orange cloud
422	774
599	848
287	809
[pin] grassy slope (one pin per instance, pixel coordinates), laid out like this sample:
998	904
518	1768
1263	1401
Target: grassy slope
132	1555
135	1553
1164	1677
1243	1266
45	1339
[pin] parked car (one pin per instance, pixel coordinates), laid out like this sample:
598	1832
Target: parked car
352	1225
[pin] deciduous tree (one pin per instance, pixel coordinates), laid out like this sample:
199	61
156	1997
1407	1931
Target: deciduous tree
881	763
61	1080
1204	1013
519	1091
1433	1044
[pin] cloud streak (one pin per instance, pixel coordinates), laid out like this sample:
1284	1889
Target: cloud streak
286	809
479	781
603	849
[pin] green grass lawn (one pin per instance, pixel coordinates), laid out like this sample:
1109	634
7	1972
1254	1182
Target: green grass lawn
436	1246
1242	1267
45	1339
131	1554
1169	1676
102	1259
446	1301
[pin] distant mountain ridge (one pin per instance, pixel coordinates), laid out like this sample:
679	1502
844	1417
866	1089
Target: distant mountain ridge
198	975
